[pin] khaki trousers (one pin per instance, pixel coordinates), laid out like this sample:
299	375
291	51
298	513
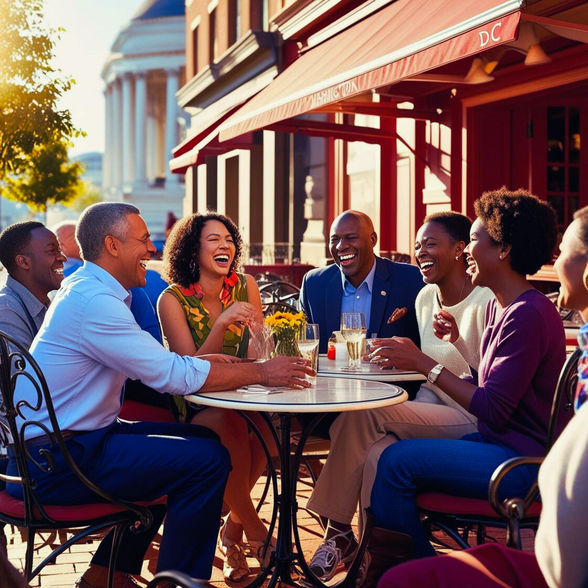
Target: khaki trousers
353	435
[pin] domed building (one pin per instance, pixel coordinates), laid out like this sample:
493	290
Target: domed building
142	74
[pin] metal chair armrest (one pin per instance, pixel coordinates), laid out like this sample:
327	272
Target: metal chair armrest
512	507
11	479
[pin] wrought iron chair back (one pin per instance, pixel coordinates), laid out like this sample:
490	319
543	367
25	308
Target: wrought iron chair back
28	441
564	397
277	294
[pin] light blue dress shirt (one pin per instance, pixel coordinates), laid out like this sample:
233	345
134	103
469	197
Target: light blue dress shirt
359	299
90	343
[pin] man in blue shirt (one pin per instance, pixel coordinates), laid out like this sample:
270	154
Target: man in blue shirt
87	346
360	281
144	312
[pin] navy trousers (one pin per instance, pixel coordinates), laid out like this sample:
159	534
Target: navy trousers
143	461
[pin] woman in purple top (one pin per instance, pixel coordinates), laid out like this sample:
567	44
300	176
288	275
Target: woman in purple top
522	353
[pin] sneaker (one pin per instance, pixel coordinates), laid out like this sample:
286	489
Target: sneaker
328	559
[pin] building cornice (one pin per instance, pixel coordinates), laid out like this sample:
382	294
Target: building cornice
119	63
299	15
253	53
303	15
346	21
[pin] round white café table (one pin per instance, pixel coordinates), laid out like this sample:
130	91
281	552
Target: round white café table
327	395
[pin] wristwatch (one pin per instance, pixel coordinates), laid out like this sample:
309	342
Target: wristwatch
434	373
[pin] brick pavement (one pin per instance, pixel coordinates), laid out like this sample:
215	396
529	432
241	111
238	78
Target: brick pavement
73	563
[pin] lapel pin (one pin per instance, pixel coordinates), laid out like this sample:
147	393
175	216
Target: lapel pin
383	292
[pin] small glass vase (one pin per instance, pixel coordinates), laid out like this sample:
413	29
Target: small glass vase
287	347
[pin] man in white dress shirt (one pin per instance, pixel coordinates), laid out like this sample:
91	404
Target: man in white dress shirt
88	345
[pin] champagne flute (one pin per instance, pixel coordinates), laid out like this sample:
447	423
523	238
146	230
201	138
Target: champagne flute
353	330
308	345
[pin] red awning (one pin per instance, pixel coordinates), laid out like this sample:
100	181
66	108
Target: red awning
399	41
203	139
201	134
208	146
192	153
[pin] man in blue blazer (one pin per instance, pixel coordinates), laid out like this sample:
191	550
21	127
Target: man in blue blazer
360	281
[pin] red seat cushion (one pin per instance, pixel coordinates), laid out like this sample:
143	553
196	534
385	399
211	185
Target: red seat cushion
132	410
456	505
14	507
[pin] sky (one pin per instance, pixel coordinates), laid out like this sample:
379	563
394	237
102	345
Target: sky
91	26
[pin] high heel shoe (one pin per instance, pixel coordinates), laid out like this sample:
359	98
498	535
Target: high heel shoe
235	566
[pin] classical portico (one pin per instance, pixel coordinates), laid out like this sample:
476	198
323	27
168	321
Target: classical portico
143	121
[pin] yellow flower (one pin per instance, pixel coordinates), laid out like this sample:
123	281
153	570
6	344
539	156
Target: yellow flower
286	325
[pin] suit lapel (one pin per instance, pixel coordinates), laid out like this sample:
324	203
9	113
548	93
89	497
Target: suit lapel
333	297
382	280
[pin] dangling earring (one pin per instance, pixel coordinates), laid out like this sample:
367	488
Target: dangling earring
193	266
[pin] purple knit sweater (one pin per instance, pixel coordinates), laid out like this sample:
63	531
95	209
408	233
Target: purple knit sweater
523	351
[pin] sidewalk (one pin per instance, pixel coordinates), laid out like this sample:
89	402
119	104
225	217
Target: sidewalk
72	564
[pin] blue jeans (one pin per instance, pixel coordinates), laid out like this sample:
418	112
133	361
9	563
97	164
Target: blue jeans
457	467
142	461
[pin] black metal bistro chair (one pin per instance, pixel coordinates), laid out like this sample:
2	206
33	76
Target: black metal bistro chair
17	420
458	516
278	296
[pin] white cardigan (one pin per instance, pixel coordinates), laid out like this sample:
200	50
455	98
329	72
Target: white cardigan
469	315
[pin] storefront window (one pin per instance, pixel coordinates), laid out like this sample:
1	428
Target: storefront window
363	171
563	150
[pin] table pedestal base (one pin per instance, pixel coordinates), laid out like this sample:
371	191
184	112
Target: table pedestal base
284	558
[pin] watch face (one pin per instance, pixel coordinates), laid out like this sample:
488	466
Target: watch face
434	373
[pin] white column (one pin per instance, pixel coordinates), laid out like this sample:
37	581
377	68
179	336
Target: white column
107	158
269	187
244	193
116	134
141	127
200	172
171	122
150	149
127	131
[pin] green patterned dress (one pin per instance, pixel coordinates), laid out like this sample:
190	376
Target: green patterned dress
236	339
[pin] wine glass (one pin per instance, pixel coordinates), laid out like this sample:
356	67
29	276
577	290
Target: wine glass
353	330
308	345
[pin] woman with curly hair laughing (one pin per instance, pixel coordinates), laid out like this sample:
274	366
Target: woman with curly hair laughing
208	309
522	352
